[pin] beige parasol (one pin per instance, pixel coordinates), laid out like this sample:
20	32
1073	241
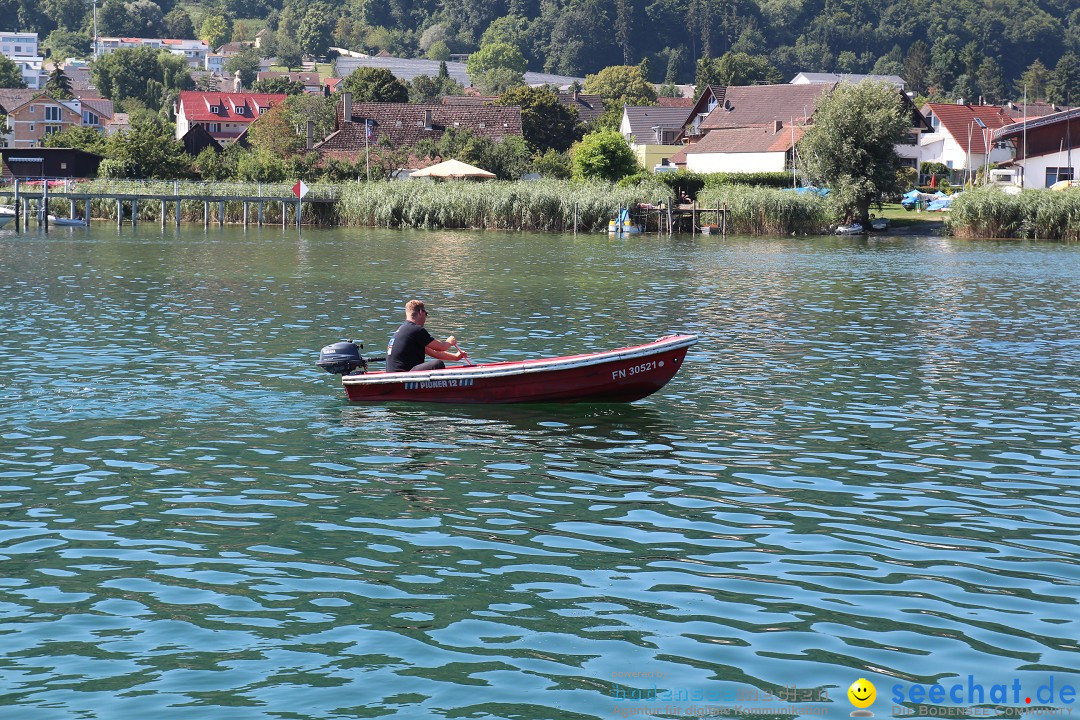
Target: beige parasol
453	170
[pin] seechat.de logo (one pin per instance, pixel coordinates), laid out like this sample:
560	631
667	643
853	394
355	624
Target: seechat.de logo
862	695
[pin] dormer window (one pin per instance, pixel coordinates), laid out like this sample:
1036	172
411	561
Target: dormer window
240	110
263	109
215	109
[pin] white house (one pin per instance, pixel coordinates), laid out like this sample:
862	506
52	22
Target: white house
194	51
22	49
961	138
1043	146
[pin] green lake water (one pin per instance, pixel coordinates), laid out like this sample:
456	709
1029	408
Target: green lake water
867	468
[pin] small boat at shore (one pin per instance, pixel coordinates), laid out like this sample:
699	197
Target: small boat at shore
621	375
852	229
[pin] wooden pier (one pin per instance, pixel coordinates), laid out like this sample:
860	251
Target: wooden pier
33	202
685	218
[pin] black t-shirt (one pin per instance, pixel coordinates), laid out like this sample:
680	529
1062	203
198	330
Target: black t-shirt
406	349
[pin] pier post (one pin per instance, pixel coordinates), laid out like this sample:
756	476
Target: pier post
177	220
17	205
246	213
71	209
164	210
119	212
284	213
205	213
575	217
87	212
26	212
44	208
723	224
260	213
221	214
134	211
299	212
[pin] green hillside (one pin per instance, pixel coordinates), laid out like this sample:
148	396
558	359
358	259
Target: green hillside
967	48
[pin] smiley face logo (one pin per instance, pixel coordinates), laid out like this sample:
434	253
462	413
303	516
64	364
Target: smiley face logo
862	694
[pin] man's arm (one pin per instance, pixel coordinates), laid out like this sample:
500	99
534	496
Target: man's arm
439	350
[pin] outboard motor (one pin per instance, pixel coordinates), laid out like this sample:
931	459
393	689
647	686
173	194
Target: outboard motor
342	358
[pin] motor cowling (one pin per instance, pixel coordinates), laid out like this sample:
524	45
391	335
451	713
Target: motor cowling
342	358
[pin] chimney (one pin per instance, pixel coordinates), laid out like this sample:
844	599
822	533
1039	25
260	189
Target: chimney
427	119
310	135
346	106
778	125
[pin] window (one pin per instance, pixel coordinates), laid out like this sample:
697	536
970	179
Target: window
1054	174
90	118
215	127
215	109
31	127
33	108
263	109
52	112
50	129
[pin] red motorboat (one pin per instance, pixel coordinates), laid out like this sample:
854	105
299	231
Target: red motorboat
622	375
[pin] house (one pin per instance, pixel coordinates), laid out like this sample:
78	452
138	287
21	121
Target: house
960	138
652	132
589	107
810	78
760	148
224	115
1044	147
311	81
22	49
194	51
1020	111
197	139
404	125
29	121
48	163
755	128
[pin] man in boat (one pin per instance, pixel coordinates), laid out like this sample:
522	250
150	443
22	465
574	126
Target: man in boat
412	342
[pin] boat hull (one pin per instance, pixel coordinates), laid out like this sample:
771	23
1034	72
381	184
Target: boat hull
622	375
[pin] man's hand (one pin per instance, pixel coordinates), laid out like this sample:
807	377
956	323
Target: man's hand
451	341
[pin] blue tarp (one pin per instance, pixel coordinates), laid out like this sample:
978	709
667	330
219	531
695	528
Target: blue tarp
941	203
811	189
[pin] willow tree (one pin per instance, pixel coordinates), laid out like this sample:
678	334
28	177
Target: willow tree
851	145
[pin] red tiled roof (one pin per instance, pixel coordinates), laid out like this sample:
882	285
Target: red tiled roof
406	124
675	102
196	105
750	105
759	139
956	119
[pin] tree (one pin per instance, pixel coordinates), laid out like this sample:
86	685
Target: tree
1063	87
10	74
215	29
736	69
425	89
67	14
246	62
850	147
148	150
273	134
178	24
313	34
1032	84
917	66
59	85
553	165
78	137
142	73
288	52
991	83
439	50
603	155
369	84
496	55
496	81
64	44
546	123
510	29
944	60
277	85
621	84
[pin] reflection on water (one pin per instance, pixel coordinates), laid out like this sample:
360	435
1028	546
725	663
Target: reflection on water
866	469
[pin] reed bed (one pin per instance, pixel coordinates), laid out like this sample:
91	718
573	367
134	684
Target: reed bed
544	205
1037	214
768	211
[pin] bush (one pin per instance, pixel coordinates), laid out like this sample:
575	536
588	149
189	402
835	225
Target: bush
990	213
768	211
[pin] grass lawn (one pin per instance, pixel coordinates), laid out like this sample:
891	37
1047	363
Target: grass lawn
899	217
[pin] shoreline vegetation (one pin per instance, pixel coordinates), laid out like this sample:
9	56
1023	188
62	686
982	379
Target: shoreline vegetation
562	205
